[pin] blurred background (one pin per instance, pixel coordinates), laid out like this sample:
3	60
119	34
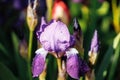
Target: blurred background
102	15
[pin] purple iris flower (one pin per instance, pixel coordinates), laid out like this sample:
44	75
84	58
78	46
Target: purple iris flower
55	38
94	43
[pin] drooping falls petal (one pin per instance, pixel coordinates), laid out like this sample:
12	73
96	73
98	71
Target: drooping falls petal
39	62
76	67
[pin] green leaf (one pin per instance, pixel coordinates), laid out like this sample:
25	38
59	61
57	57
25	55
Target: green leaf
114	62
21	65
15	42
2	48
116	41
104	64
5	73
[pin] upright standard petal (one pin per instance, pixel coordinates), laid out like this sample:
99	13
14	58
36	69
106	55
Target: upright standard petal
55	37
46	37
61	37
42	27
76	67
39	62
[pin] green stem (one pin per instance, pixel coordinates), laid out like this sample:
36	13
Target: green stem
29	54
30	45
29	71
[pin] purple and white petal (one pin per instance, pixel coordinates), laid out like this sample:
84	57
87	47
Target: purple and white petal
61	37
76	67
55	37
38	63
42	27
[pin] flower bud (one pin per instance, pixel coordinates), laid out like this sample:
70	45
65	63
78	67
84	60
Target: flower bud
78	37
94	48
32	16
38	63
94	43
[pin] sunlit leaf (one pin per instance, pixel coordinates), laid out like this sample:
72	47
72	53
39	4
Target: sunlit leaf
114	62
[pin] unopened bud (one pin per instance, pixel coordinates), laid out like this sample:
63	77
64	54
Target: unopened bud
92	57
32	16
78	37
94	49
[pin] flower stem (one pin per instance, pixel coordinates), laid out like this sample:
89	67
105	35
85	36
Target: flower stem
30	45
61	72
29	54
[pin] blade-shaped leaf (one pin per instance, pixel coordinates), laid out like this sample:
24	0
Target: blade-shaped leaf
5	73
114	62
5	52
104	64
19	61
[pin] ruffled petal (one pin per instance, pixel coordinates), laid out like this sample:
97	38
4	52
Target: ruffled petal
55	37
42	27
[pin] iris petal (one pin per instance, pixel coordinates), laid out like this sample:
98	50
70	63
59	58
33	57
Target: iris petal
39	62
76	67
55	37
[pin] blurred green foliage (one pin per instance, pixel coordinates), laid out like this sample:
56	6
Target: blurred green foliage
91	15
